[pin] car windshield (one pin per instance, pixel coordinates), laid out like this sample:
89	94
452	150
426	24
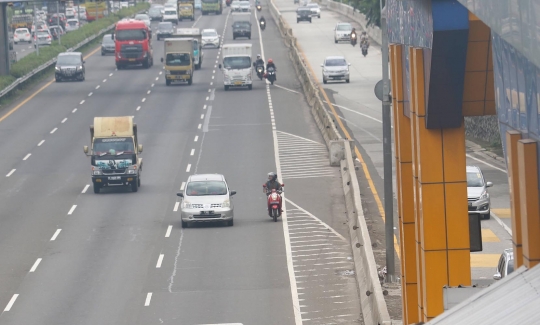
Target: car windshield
170	12
107	39
68	60
154	11
165	26
344	27
21	31
113	146
40	34
474	179
237	62
209	34
178	59
335	62
130	35
313	5
72	22
206	188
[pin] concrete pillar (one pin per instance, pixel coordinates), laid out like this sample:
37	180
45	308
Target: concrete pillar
443	223
4	41
530	211
512	138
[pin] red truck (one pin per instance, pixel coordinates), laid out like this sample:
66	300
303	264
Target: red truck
132	44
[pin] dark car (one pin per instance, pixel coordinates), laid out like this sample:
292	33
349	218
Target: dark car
56	32
164	30
241	29
303	14
107	44
57	20
69	65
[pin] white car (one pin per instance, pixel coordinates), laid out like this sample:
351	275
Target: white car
335	68
315	10
235	5
171	15
245	6
210	37
82	13
42	37
145	18
72	24
22	35
70	13
342	32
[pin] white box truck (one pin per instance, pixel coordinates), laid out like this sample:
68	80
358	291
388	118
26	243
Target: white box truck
236	66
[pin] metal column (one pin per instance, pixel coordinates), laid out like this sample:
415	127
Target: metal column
4	41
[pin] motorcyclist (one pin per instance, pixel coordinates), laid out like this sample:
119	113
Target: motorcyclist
272	184
259	63
364	39
353	32
261	20
271	64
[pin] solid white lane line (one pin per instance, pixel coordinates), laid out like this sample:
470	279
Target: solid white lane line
202	116
182	186
85	188
97	87
72	209
168	233
188	168
36	263
56	233
27	156
11	302
64	120
138	107
54	130
82	102
40	143
159	261
487	164
199	126
148	298
207	119
196	138
90	94
192	152
143	100
176	205
74	110
287	89
11	172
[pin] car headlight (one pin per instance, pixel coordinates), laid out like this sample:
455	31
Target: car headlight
119	55
188	71
484	195
145	54
167	72
79	67
226	204
186	205
131	171
57	68
96	172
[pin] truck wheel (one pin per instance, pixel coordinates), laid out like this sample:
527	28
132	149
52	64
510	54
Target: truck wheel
134	187
226	88
168	82
139	181
146	64
249	37
230	223
184	224
190	81
234	37
250	87
96	188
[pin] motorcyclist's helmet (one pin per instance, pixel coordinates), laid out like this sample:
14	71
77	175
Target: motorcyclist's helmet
364	33
270	61
258	56
272	176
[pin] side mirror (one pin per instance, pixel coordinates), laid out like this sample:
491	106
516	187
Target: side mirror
322	65
112	36
161	60
282	185
489	184
349	64
497	276
85	149
219	65
180	194
139	148
84	61
233	193
264	185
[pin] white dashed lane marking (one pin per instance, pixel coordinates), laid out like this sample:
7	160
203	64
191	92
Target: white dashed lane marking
11	172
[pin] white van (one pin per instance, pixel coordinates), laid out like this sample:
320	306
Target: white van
170	14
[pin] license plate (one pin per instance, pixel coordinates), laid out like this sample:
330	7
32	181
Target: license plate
114	178
207	212
238	82
131	60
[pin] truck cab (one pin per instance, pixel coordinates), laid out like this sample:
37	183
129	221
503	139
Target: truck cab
132	44
195	34
236	67
114	153
178	61
186	9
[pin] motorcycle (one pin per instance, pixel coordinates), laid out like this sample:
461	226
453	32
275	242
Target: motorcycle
228	2
259	7
365	47
274	203
260	71
353	39
262	23
271	75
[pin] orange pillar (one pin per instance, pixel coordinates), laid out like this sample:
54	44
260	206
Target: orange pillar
512	138
530	211
442	224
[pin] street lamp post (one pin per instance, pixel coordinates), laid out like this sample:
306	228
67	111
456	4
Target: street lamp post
387	154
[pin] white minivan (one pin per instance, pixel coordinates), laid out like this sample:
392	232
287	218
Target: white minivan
170	14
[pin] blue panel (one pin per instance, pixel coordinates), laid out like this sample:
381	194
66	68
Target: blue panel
449	15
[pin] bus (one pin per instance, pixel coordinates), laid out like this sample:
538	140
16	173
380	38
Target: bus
215	6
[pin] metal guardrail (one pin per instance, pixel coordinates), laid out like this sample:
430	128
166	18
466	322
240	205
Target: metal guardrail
373	305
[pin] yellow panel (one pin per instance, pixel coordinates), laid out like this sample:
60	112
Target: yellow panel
457	216
406	195
409	259
433	223
459	267
418	72
454	155
397	75
420	282
412	304
503	213
398	188
435	269
484	260
512	138
478	31
430	164
474	86
405	148
528	189
488	236
476	108
477	56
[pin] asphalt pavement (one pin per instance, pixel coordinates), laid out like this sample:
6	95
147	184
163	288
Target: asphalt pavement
70	256
361	112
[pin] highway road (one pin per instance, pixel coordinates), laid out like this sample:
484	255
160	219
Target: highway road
360	111
70	256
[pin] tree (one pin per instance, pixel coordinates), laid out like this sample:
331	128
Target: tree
372	10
